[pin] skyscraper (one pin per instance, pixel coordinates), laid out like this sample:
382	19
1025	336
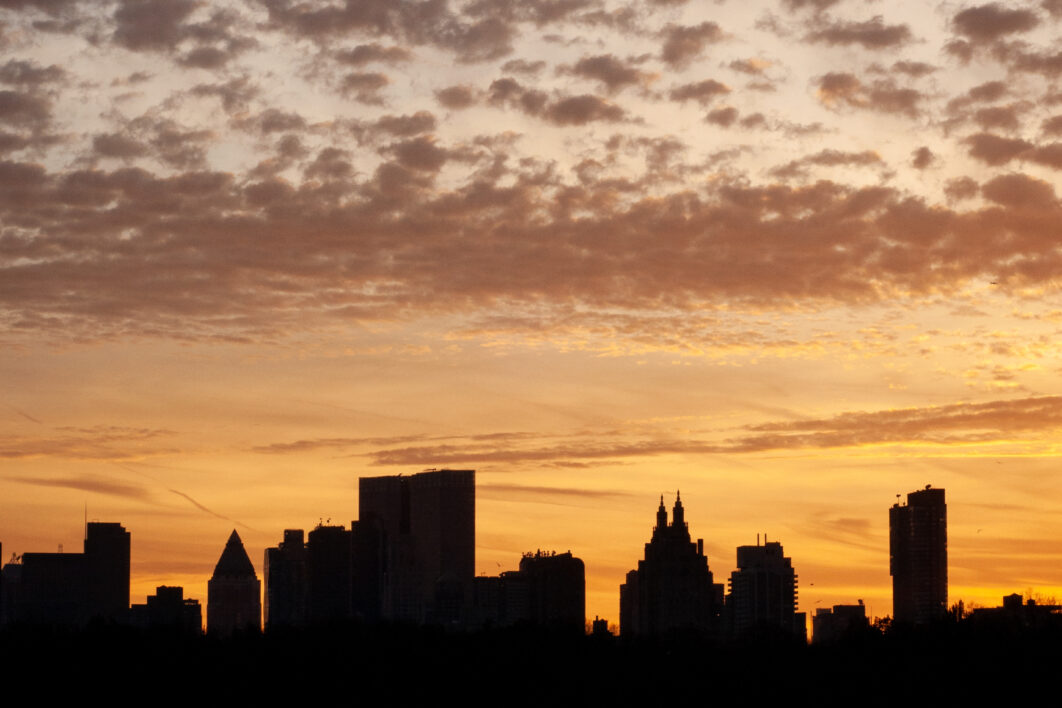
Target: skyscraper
234	592
672	588
286	582
107	551
763	591
918	556
419	534
328	573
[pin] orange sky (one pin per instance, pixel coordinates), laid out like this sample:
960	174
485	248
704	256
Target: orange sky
792	257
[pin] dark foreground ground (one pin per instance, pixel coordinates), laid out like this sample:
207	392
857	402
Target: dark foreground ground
355	665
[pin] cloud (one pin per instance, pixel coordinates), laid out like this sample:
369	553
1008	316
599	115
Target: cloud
30	74
945	425
827	158
96	443
683	44
1018	190
704	92
996	150
922	158
615	74
870	34
723	117
508	491
580	110
816	5
948	424
753	67
90	484
961	188
521	66
407	125
24	110
364	87
118	146
235	94
1000	117
915	69
840	89
151	24
456	97
373	53
561	110
987	23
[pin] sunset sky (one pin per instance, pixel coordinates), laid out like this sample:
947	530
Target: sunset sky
790	257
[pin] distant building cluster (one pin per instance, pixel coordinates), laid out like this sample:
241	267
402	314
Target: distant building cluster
70	588
410	558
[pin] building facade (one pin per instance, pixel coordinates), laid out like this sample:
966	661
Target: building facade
416	544
672	590
918	557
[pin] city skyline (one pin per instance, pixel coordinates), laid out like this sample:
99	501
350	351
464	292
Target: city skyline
790	257
360	574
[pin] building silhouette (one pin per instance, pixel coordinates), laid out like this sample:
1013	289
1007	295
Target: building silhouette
556	590
763	592
672	590
168	609
107	553
285	574
549	590
836	623
918	557
233	592
71	588
328	574
415	546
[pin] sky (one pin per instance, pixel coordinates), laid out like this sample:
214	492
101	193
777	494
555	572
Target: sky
789	257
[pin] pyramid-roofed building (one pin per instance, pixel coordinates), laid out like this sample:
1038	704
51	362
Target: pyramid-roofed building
234	592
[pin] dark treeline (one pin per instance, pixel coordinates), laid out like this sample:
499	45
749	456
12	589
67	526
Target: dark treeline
948	661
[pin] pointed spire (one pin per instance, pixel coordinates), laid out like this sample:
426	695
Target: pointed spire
234	562
678	519
661	514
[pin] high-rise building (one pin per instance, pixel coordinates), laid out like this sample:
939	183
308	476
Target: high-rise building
672	589
107	552
418	533
918	557
763	592
286	582
234	592
328	573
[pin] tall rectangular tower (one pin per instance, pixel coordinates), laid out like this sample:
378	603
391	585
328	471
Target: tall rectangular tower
763	591
107	551
426	528
918	562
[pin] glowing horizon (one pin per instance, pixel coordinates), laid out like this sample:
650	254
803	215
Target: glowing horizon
792	257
